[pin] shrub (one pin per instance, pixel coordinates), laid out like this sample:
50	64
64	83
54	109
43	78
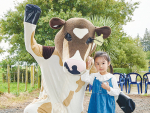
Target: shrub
122	70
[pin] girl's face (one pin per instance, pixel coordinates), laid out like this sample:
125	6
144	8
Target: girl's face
101	65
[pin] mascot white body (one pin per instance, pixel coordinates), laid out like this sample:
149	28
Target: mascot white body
62	90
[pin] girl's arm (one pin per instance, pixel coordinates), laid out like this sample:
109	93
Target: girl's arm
88	78
115	90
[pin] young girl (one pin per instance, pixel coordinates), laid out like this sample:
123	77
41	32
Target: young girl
105	86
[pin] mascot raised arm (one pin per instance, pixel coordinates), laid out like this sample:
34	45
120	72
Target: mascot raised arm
62	90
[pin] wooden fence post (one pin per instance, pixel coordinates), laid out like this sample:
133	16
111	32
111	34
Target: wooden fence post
32	76
8	76
18	79
39	78
26	77
3	77
14	77
22	77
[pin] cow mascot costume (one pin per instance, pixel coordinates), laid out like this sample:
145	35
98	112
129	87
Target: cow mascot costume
62	90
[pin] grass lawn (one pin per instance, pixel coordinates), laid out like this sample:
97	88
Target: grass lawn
13	87
142	73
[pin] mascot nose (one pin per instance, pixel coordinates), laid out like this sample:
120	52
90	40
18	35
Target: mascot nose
75	66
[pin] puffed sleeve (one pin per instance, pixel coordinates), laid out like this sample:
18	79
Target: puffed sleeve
115	90
88	78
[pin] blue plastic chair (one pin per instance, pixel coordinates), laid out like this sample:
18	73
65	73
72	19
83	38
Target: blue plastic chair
90	87
130	81
127	81
121	80
124	74
118	76
146	80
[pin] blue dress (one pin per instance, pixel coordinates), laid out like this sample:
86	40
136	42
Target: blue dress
101	101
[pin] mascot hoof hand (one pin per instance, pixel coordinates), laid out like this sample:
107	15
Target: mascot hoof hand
32	13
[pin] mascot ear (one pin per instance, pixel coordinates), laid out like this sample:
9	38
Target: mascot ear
105	30
56	23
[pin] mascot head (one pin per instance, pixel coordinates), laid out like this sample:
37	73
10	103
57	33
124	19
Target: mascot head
75	41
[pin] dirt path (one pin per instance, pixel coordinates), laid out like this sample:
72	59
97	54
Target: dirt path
142	104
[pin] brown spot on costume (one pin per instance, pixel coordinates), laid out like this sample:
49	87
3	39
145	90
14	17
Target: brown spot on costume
67	101
48	51
37	49
45	108
80	84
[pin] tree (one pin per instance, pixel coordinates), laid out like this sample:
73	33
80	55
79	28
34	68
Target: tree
1	50
11	26
146	41
4	63
124	51
119	11
131	53
148	55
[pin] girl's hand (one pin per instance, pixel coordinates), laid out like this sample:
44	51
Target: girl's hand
89	62
105	86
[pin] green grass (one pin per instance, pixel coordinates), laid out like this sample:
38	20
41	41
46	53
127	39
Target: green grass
13	87
142	73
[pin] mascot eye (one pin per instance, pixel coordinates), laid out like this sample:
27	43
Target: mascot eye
68	37
89	40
